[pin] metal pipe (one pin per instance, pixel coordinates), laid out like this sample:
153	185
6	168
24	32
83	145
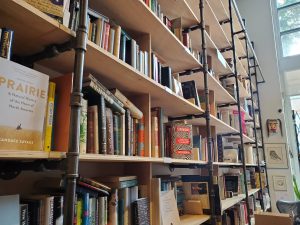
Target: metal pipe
239	110
76	99
207	112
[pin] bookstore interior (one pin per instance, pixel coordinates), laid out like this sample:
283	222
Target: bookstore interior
147	112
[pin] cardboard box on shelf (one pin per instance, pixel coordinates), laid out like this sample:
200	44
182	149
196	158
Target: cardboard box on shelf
264	218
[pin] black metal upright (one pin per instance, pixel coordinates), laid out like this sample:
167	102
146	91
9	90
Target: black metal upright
239	107
76	100
254	118
207	115
260	123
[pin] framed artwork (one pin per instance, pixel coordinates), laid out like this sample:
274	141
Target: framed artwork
276	155
274	127
279	183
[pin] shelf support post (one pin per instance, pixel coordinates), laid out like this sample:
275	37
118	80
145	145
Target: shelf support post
207	112
76	99
231	7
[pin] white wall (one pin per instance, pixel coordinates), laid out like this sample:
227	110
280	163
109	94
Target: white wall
258	15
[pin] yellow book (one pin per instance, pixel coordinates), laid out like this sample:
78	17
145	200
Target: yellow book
79	211
49	117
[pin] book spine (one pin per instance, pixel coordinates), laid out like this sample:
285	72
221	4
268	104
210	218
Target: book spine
24	214
117	42
101	211
141	138
83	127
116	135
85	208
102	126
113	208
6	43
49	117
181	145
107	29
100	89
109	132
154	136
58	210
111	40
92	211
127	132
122	135
90	130
132	136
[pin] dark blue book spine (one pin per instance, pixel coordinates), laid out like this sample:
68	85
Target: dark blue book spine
85	208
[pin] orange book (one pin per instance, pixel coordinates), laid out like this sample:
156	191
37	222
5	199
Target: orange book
62	112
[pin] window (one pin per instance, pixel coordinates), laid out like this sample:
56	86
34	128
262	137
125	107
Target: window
289	26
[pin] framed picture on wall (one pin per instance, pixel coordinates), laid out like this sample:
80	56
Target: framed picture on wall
276	155
279	183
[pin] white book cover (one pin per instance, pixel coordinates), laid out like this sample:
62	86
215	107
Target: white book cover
10	210
23	96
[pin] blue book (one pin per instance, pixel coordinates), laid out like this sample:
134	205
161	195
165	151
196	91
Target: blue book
85	208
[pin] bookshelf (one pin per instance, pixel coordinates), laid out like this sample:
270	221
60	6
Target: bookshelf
144	91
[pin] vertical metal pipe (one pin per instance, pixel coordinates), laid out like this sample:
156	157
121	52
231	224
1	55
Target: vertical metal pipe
239	110
260	123
254	120
76	99
207	116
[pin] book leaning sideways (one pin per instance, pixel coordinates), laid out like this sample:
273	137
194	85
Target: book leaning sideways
23	97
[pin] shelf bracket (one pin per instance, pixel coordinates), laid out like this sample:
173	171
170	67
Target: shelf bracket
11	169
226	49
239	32
192	28
190	72
243	57
50	51
227	105
172	167
226	76
188	117
222	22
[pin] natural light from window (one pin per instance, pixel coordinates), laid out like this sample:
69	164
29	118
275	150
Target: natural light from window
289	26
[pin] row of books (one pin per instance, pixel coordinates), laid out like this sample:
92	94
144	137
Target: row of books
6	42
236	215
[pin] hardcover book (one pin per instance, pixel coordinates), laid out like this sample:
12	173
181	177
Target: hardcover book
23	94
141	212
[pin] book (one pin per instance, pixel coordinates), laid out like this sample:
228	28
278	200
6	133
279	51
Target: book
58	204
113	208
83	127
85	208
92	88
181	142
116	134
128	150
49	117
61	126
118	182
158	112
23	94
117	40
141	138
190	92
24	214
55	8
79	210
154	137
109	132
111	41
141	212
102	135
6	43
130	55
10	209
134	111
92	130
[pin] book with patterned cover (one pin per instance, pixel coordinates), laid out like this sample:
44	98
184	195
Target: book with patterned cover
109	132
116	134
141	212
181	141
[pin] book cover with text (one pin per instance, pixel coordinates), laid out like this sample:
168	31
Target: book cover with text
23	96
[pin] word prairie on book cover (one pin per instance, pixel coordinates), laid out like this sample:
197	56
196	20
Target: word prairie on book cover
23	97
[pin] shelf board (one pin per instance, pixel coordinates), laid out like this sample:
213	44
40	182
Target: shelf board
20	154
163	41
174	9
114	73
221	127
34	30
227	164
216	31
221	94
193	219
229	202
137	159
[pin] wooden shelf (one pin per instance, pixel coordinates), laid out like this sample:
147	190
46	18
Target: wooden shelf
19	154
174	9
34	30
136	159
193	219
163	41
227	164
221	94
216	31
229	202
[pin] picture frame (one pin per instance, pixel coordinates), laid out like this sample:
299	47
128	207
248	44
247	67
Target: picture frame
279	183
276	155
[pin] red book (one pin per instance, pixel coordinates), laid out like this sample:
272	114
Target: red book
181	141
61	125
